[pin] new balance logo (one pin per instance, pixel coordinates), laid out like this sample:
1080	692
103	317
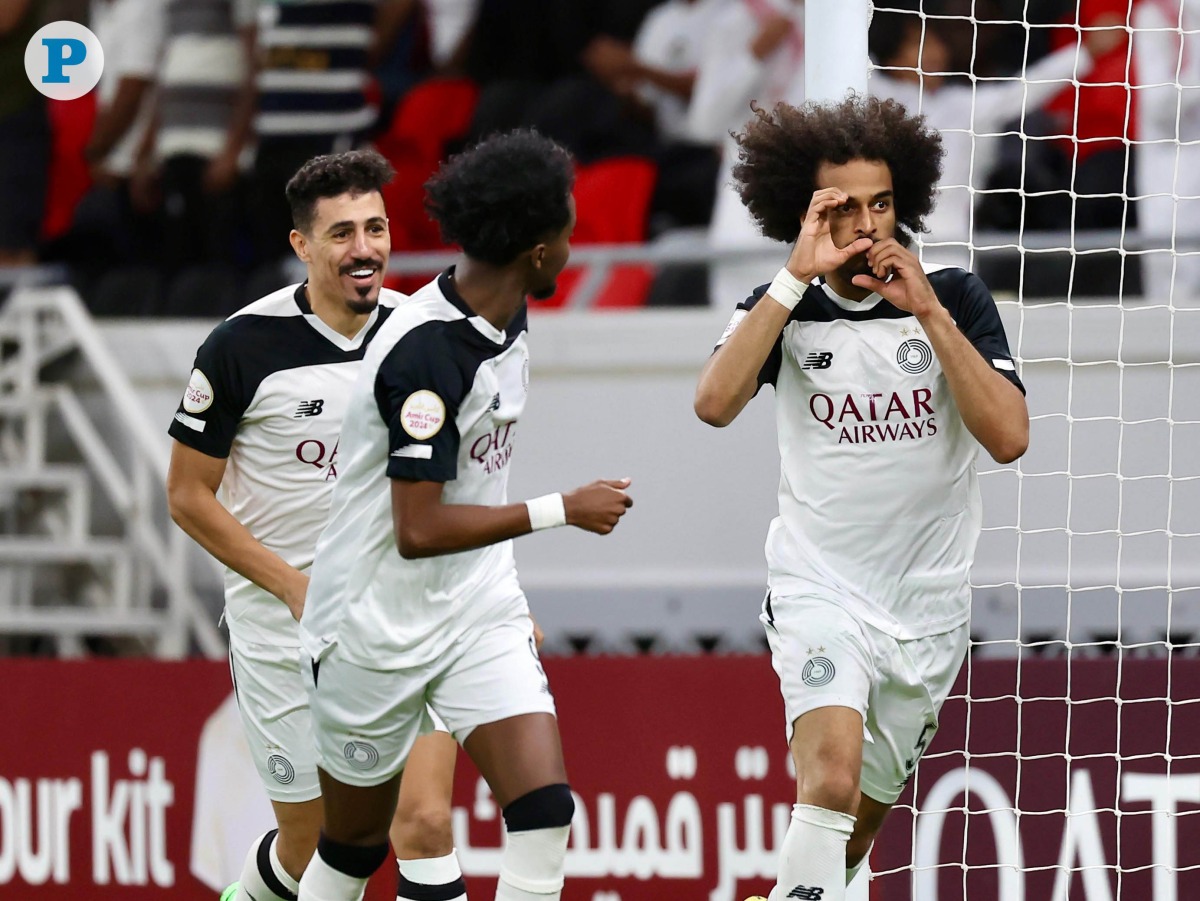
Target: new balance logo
309	408
495	404
807	893
821	359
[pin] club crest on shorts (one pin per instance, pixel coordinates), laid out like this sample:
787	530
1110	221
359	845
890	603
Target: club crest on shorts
281	769
360	755
818	671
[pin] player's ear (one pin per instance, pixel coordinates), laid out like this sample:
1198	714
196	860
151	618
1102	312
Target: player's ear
299	244
537	256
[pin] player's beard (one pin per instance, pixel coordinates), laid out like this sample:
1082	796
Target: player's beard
363	303
545	293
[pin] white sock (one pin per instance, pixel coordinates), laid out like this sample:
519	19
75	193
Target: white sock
858	880
812	865
263	878
322	882
531	866
431	879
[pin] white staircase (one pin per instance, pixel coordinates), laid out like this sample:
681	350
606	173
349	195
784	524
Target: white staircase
60	578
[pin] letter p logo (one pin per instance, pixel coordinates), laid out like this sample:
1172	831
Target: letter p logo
62	52
64	60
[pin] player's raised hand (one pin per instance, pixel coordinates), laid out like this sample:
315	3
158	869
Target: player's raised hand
597	507
814	252
898	278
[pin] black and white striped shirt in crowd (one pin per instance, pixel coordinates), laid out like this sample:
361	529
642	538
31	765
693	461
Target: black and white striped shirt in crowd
314	67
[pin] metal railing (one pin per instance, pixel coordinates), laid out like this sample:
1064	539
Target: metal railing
40	326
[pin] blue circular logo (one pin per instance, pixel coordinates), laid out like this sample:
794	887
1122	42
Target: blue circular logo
360	755
281	769
914	356
818	671
64	60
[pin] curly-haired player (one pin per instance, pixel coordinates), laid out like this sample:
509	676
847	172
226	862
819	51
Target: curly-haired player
414	598
888	377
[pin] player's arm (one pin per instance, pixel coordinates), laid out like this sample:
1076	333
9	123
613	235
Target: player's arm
192	484
731	375
426	527
991	406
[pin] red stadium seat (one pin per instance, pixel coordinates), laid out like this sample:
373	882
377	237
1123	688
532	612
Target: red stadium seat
71	124
612	202
430	116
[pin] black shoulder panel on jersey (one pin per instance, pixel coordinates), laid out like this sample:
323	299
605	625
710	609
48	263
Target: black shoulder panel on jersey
419	388
235	358
974	310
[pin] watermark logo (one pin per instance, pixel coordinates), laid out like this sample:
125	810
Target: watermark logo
64	60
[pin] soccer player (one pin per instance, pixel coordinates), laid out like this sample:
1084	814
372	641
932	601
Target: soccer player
260	420
414	596
887	380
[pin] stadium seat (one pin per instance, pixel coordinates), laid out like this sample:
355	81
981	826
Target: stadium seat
262	281
126	291
612	203
431	116
204	291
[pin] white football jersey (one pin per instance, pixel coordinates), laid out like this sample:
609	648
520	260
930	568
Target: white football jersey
267	391
879	503
438	400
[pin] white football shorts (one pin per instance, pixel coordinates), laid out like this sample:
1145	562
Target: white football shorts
366	720
827	657
273	705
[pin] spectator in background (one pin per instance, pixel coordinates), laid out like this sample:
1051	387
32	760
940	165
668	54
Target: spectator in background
915	69
200	132
1097	118
653	77
24	137
1166	62
753	52
313	78
108	228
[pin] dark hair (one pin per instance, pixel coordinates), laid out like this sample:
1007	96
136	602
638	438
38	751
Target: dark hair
780	151
502	196
331	175
889	30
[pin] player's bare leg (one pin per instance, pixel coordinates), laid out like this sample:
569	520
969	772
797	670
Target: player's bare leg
827	749
354	839
521	759
421	832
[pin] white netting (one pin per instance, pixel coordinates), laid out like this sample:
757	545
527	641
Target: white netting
1068	768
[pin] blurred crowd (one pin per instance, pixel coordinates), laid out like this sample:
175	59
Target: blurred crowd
162	190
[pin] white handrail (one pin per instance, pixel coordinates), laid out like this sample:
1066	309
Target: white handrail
165	553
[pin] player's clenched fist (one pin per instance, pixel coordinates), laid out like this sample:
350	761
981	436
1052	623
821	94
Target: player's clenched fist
598	506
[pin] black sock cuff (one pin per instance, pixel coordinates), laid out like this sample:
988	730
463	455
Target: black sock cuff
416	891
548	807
357	861
267	872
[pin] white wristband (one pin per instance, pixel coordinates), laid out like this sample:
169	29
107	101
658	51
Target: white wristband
787	290
547	512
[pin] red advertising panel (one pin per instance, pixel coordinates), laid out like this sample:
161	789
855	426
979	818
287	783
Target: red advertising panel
128	779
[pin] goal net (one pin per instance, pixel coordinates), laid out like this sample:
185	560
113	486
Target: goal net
1068	762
